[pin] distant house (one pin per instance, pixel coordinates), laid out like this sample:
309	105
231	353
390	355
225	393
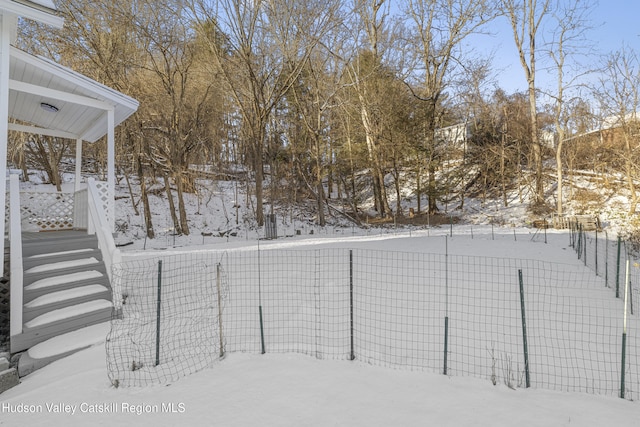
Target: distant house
548	138
456	135
609	130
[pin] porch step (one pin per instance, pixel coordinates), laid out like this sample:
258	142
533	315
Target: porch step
80	263
61	346
67	314
56	241
33	277
56	257
61	321
64	298
63	282
66	287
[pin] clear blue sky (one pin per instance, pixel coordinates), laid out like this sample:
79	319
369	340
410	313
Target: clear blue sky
614	22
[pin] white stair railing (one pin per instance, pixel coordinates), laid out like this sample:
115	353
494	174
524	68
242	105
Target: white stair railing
80	210
99	225
15	257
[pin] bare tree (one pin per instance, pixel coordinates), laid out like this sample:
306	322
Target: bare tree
568	39
312	98
41	152
619	96
264	46
363	72
525	17
172	113
440	29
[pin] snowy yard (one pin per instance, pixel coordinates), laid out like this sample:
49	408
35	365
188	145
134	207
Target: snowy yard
282	388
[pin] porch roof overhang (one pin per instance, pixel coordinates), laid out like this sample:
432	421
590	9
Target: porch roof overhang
49	99
43	11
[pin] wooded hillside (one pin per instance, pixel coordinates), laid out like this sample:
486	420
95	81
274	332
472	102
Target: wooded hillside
292	98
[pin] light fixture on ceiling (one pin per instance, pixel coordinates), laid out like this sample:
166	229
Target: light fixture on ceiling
48	107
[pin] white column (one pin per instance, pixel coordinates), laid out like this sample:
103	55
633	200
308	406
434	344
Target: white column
7	21
78	164
111	167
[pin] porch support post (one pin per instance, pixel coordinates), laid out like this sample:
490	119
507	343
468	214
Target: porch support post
7	21
111	167
78	164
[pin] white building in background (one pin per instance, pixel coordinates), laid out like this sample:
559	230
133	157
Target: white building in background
456	135
548	138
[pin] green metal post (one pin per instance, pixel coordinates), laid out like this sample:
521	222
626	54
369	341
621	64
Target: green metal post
596	251
446	304
260	303
158	307
352	355
219	288
262	331
446	342
606	260
524	331
584	232
618	268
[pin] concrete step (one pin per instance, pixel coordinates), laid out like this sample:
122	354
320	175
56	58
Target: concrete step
64	298
8	379
61	346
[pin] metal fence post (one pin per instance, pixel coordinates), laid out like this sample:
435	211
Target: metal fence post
158	308
219	286
263	349
606	259
446	306
524	331
624	332
352	354
585	246
618	268
596	251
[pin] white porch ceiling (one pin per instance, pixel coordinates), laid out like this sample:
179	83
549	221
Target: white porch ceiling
82	103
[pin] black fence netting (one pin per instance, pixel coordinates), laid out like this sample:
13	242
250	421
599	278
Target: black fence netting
517	322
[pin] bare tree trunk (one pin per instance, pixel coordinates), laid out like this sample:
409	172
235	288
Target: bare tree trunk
145	201
319	189
419	185
172	208
133	201
259	182
525	17
184	224
629	172
379	190
431	189
559	177
536	146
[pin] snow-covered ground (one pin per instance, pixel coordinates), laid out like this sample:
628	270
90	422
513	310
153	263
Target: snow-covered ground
296	390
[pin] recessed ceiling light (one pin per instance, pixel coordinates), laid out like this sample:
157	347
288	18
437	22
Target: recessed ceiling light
48	107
